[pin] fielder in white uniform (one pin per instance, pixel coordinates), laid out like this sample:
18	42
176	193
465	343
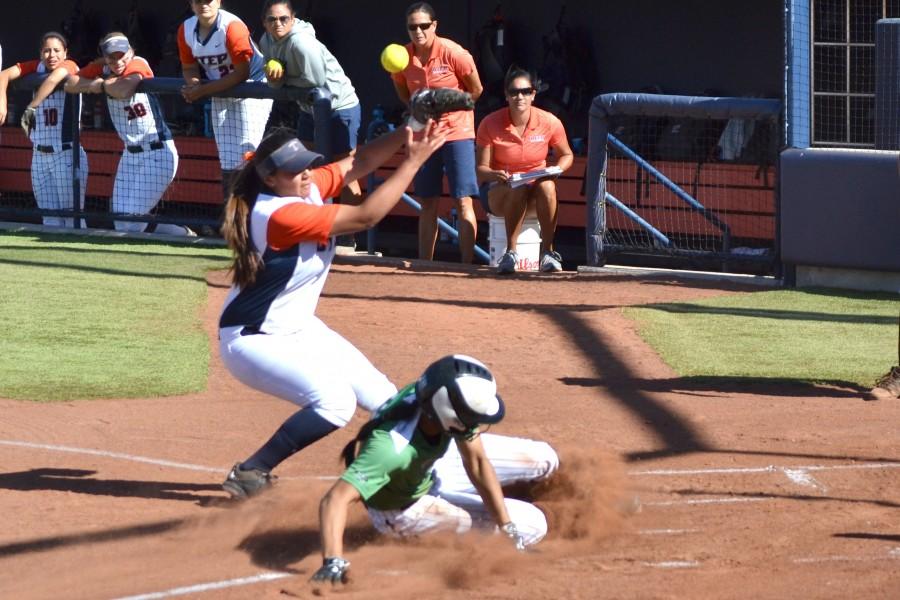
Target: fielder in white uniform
149	160
421	465
219	43
282	236
51	136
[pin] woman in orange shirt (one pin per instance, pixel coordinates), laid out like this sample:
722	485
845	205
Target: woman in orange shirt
513	140
437	62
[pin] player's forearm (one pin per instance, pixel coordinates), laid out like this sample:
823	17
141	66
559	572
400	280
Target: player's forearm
484	479
332	522
121	88
48	87
191	74
376	206
375	153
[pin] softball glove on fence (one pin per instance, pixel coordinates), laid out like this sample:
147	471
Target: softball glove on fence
333	569
431	103
28	121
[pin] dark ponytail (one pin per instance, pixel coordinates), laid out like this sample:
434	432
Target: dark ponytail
246	186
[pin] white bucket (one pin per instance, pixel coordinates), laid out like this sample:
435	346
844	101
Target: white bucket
528	246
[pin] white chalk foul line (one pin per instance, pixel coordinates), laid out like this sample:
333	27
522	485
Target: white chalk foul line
206	587
767	469
706	501
135	458
666	531
672	564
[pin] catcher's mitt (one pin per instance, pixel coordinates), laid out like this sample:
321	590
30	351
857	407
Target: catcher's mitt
28	121
431	103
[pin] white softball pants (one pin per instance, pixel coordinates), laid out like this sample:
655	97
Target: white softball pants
51	180
453	504
238	125
314	367
141	180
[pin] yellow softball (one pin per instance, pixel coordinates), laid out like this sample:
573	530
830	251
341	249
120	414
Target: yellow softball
394	58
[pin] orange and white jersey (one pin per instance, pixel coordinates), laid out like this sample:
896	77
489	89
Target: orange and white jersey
227	44
139	119
52	127
291	234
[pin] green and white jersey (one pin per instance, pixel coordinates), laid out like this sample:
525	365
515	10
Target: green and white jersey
394	465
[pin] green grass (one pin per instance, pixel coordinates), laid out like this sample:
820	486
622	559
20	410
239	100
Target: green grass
102	318
817	336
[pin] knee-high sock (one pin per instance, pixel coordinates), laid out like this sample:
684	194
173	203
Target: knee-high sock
300	430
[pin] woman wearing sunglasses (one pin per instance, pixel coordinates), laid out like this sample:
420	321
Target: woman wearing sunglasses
516	139
219	43
305	62
280	227
436	62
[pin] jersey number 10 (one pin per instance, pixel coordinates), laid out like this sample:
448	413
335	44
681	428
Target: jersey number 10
51	117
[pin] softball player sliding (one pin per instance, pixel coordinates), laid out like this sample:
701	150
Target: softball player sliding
47	124
149	159
219	43
422	466
282	235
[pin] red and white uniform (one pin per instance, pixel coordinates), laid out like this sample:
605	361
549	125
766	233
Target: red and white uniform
149	159
269	336
51	161
238	123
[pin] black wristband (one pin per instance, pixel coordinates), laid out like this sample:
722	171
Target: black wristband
103	86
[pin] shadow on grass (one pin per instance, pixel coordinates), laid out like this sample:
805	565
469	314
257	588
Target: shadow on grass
764	313
706	385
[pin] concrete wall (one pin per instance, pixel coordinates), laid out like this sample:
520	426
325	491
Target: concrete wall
840	210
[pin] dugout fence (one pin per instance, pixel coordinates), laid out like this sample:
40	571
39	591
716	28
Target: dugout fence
687	176
195	196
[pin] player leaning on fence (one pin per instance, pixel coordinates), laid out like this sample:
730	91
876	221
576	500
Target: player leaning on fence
219	43
46	122
295	58
149	159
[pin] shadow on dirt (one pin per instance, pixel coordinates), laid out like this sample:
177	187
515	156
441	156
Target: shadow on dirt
278	549
80	482
109	535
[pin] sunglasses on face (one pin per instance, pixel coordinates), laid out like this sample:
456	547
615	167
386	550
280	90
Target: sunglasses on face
423	26
526	91
283	19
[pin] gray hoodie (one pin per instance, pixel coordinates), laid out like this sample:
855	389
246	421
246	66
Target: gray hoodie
308	63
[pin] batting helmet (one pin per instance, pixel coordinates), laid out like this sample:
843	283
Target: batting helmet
460	393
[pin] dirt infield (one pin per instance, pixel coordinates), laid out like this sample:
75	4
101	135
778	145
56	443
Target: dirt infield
748	490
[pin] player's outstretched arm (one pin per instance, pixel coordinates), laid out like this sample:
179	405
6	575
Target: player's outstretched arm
482	475
350	219
332	522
